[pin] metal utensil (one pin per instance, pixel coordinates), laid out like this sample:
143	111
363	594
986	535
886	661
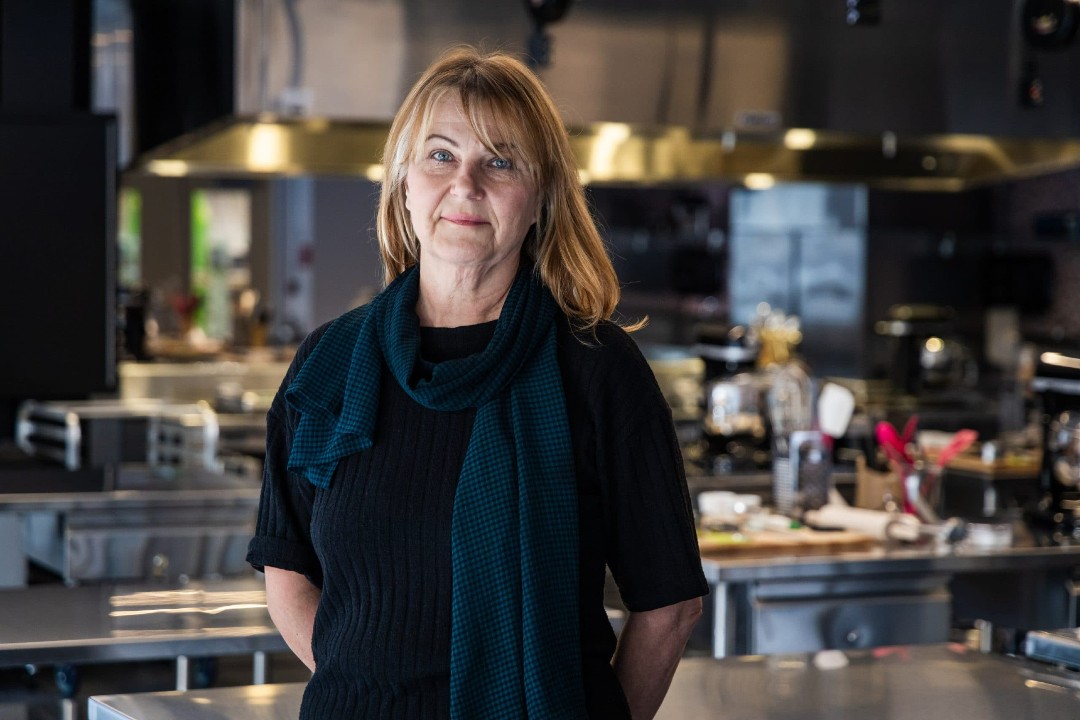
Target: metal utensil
916	501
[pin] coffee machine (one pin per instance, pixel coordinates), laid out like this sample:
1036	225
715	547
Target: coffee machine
1056	385
735	428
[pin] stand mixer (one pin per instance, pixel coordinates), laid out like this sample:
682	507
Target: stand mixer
1057	386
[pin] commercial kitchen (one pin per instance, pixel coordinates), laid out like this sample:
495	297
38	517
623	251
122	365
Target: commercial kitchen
853	225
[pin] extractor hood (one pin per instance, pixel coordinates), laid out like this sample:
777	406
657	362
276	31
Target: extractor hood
619	153
770	91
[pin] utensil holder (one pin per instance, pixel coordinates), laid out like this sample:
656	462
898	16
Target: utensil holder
790	467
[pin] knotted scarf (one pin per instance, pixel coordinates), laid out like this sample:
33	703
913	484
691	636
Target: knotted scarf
515	648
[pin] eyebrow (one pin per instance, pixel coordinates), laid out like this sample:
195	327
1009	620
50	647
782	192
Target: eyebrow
437	136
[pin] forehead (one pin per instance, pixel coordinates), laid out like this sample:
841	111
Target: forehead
447	114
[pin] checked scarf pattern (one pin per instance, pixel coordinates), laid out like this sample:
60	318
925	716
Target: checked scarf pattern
515	650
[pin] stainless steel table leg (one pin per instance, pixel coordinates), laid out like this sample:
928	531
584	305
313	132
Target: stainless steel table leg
1073	588
68	710
985	628
13	560
181	672
720	620
259	668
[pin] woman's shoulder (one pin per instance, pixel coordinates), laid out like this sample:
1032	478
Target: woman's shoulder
605	356
606	343
606	377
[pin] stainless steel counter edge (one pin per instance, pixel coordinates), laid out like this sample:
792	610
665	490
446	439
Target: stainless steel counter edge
213	642
888	561
109	622
32	502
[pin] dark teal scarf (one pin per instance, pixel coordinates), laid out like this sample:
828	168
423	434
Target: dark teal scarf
515	648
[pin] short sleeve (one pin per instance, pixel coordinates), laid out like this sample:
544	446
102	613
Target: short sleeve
283	525
650	541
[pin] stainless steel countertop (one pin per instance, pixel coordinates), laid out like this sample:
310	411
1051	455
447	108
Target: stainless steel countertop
887	561
946	682
251	702
94	623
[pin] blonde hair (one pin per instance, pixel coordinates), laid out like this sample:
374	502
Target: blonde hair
496	88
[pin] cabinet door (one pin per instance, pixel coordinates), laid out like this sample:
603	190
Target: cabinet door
808	625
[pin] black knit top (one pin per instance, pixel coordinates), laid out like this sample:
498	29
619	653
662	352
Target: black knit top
377	541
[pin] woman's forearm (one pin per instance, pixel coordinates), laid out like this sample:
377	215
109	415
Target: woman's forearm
650	647
292	601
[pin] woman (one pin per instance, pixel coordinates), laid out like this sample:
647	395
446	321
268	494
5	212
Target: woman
450	467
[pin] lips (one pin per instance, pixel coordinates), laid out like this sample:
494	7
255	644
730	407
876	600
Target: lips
465	220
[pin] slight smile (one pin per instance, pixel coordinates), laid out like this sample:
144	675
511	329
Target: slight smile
468	220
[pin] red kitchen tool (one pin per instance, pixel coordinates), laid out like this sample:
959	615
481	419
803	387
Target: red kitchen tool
891	442
910	427
961	441
894	448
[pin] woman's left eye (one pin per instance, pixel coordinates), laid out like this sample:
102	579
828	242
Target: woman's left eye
501	164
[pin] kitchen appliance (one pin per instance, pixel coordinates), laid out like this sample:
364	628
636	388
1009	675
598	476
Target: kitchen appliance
735	431
924	357
97	433
1057	386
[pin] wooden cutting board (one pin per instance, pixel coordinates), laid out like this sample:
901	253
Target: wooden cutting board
1009	468
771	543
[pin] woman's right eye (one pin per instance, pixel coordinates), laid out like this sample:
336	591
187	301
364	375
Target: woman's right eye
441	156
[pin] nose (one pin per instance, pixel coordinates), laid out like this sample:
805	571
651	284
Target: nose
466	181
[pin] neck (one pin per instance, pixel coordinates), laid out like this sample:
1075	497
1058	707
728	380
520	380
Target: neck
457	297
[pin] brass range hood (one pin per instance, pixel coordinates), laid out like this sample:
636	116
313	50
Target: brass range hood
618	153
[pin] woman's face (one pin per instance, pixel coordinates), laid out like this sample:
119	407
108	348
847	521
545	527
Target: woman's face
469	207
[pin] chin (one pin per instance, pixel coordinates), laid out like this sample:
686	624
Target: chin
463	253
